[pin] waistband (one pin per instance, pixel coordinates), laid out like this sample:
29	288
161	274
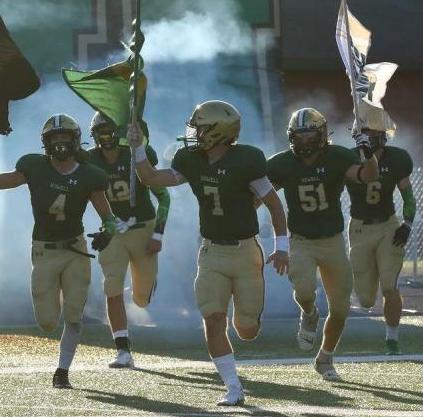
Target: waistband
228	242
64	245
374	220
321	237
138	225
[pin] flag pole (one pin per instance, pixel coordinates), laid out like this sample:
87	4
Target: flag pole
134	96
352	73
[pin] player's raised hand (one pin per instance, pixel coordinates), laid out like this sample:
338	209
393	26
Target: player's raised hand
134	135
280	261
363	142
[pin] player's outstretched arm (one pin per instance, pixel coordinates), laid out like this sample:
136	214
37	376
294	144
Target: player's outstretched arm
11	180
279	257
145	171
102	207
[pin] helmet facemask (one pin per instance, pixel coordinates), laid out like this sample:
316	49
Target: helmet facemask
62	149
307	142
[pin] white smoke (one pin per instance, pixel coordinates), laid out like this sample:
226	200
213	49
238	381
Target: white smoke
196	36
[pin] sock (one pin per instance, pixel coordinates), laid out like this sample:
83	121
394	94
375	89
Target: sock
225	365
122	340
324	356
68	343
392	332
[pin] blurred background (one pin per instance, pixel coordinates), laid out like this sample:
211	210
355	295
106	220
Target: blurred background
267	57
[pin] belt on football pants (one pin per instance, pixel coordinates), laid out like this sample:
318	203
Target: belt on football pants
375	220
67	245
225	242
137	226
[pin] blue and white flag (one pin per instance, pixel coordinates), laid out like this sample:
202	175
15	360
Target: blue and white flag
368	82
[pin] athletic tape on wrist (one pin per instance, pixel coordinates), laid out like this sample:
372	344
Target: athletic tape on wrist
140	154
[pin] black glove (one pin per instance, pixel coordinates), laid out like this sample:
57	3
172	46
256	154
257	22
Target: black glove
401	235
100	240
362	142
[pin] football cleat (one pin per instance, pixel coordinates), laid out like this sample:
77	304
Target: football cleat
307	331
326	370
123	360
61	379
392	347
233	397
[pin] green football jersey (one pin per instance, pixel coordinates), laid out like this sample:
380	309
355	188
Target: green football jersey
118	192
59	201
375	199
313	192
222	189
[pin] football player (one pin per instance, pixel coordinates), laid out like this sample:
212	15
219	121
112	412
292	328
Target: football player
377	239
61	185
141	239
312	173
225	177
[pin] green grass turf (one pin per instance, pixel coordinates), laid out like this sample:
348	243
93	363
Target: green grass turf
166	383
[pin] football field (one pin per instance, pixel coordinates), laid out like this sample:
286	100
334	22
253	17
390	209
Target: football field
173	376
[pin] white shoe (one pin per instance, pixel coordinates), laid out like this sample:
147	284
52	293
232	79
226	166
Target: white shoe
306	336
234	396
327	370
123	360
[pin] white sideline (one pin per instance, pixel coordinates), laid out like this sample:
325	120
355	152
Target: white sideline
207	364
234	411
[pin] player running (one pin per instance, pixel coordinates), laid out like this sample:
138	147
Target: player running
312	173
61	185
225	177
377	239
141	233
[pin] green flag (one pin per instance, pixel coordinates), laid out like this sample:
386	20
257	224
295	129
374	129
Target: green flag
107	91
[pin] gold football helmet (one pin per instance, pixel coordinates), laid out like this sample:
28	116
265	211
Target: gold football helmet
307	132
213	123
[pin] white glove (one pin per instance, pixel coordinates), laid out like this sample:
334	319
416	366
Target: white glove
121	226
134	135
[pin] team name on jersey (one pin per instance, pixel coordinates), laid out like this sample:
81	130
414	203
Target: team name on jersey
114	176
310	179
205	178
60	187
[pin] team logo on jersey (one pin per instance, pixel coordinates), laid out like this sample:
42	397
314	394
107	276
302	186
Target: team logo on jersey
221	171
73	182
384	169
320	170
121	168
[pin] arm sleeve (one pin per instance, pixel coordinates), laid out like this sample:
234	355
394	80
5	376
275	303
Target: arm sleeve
163	197
409	204
261	187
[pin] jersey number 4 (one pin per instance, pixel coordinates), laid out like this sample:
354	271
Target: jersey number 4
312	198
214	191
58	208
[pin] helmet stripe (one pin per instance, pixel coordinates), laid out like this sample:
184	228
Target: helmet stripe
300	119
56	121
